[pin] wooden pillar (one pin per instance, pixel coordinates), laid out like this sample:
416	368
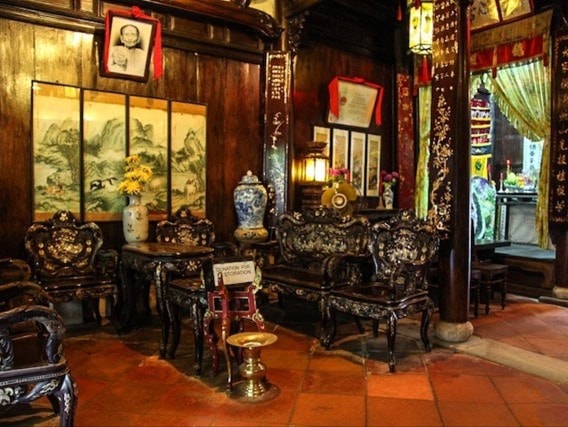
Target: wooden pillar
449	168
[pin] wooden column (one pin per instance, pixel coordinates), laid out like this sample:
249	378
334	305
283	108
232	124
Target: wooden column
449	165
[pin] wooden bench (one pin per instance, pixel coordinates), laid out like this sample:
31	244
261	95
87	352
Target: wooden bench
311	244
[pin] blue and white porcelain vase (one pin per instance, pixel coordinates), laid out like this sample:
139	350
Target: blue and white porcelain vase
388	197
250	199
135	220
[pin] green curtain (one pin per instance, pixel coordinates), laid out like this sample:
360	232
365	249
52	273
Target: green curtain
424	114
523	95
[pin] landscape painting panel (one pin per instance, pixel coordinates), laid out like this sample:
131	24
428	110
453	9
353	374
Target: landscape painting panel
104	151
373	165
357	164
340	147
188	157
323	134
56	161
149	140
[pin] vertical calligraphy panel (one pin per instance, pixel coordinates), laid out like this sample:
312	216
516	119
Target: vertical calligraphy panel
444	116
405	147
277	131
558	203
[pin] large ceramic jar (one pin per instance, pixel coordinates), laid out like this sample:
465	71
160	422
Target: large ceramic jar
135	220
250	204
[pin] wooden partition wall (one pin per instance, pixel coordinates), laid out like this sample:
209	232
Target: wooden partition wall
217	62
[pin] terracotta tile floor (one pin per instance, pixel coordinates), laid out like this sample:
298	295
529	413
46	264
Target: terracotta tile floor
122	382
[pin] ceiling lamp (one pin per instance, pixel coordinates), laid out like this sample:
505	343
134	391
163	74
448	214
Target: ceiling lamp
420	27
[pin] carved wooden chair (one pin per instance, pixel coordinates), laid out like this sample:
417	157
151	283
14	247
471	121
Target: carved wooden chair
402	249
311	244
184	289
68	261
32	363
14	270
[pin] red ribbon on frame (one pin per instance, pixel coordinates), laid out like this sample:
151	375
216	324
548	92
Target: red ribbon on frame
333	88
135	12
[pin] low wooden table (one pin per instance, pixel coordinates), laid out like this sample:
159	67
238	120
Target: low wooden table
152	261
485	248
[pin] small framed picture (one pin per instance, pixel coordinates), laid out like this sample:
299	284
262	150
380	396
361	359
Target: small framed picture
340	149
373	165
128	47
357	160
484	14
323	134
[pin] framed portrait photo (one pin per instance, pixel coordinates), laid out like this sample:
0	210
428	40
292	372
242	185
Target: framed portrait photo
128	47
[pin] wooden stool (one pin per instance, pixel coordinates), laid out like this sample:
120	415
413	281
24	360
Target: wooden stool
492	275
474	289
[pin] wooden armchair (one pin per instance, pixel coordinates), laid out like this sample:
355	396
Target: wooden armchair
14	270
68	261
402	250
32	363
183	288
311	245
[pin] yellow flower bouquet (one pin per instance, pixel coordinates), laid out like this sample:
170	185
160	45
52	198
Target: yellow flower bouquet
136	176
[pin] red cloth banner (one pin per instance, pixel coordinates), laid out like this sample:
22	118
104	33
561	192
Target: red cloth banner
516	42
508	53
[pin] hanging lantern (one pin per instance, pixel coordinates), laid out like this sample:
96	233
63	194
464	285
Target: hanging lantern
421	24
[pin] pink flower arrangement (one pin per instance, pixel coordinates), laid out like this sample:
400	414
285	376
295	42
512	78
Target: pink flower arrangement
339	175
388	179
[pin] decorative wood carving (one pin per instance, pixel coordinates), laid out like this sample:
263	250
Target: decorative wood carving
294	31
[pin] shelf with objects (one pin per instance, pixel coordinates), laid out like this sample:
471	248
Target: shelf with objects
500	151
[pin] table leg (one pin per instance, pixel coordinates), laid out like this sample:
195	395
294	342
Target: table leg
159	280
198	322
128	304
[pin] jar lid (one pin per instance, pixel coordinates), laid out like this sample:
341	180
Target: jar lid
249	178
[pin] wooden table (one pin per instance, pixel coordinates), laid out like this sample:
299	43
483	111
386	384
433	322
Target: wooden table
151	262
485	248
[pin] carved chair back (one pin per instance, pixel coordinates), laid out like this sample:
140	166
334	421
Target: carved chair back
184	227
308	237
14	270
63	247
403	249
32	362
68	261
